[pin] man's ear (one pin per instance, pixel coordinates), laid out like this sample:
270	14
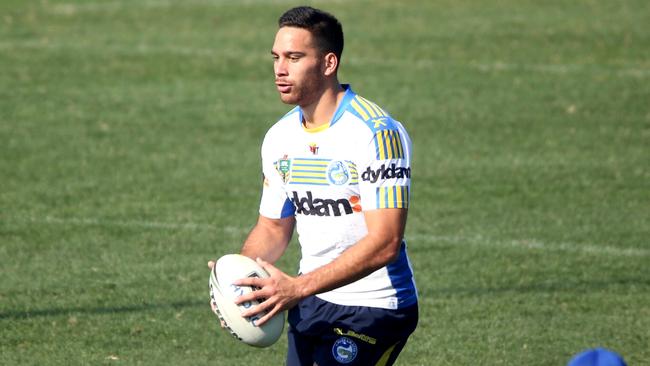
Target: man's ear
331	64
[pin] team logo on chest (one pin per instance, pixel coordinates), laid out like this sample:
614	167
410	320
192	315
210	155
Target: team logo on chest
338	172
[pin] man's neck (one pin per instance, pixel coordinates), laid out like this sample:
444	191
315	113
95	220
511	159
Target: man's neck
322	110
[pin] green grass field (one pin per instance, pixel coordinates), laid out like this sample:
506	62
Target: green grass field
130	135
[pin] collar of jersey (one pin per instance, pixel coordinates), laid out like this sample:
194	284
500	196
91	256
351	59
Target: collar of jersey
347	97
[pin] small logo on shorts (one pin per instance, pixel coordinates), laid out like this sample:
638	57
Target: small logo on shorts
344	350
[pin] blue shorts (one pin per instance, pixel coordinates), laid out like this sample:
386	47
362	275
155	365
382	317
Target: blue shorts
328	334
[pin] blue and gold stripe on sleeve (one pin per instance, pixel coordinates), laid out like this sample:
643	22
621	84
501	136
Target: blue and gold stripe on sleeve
393	197
389	145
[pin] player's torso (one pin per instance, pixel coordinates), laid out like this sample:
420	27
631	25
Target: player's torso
320	176
329	178
319	171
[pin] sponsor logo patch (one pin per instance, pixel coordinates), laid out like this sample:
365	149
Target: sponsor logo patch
351	333
383	173
311	206
344	350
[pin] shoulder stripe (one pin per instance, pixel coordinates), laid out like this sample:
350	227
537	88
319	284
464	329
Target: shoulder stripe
372	106
374	110
373	115
368	108
359	110
388	144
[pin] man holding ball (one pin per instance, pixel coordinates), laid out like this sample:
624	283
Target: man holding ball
337	169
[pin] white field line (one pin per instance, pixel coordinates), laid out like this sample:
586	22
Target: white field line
137	224
479	240
413	238
638	72
557	69
139	49
92	7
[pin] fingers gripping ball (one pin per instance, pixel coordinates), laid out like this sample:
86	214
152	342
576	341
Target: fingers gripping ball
223	293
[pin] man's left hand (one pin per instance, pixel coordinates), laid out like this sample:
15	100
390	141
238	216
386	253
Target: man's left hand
279	291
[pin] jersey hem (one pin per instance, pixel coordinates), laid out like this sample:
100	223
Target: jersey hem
384	303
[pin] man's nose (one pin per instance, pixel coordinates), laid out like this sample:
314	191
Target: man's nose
280	67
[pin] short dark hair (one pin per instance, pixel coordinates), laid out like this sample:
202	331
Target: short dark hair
324	27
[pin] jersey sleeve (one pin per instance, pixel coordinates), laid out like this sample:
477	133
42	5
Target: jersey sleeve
275	203
385	168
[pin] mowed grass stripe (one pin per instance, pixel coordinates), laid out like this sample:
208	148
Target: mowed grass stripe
631	70
413	238
132	158
531	244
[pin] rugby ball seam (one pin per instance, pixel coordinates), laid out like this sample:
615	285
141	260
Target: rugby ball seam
222	294
214	287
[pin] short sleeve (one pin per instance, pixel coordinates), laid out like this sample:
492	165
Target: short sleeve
275	203
385	168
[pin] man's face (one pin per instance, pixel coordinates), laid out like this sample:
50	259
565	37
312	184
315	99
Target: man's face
298	66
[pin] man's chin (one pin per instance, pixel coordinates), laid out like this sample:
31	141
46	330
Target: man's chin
288	99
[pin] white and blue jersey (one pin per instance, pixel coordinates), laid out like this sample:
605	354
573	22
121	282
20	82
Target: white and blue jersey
327	177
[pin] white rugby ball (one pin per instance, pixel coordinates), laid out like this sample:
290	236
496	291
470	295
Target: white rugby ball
229	268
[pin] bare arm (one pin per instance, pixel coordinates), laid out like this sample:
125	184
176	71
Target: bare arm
378	248
269	238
